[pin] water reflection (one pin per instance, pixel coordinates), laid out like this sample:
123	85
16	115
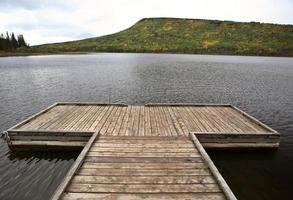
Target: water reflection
32	175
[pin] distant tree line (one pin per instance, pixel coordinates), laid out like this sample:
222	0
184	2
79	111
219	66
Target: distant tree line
11	42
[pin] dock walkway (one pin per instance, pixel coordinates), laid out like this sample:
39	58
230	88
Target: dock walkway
72	124
142	152
144	168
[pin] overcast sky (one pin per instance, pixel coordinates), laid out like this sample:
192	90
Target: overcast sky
46	21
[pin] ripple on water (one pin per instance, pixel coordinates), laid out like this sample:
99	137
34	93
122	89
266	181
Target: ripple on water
261	86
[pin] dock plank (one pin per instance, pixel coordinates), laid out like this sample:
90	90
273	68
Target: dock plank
143	188
99	118
130	122
94	117
196	179
152	120
160	170
51	124
166	196
118	125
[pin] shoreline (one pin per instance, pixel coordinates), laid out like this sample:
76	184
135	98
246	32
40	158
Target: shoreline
24	54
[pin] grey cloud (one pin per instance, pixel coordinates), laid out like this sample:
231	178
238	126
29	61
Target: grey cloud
24	26
37	4
85	35
48	28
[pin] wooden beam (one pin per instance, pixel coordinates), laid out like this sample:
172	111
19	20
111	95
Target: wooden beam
76	165
255	120
49	133
32	117
240	146
238	140
91	103
221	181
166	196
186	104
47	143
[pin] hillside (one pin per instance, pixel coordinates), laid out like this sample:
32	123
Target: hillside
171	35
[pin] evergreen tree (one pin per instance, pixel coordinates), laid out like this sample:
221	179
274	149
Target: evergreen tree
8	45
10	42
2	41
21	41
14	42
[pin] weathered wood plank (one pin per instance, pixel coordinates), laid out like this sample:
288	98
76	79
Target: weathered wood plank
90	104
142	145
136	121
118	126
166	126
99	118
182	114
191	179
205	119
49	138
159	140
142	159
83	120
141	121
47	143
160	122
205	127
141	172
140	188
154	126
90	119
156	138
187	104
124	122
61	122
143	150
78	117
148	129
213	120
143	196
104	119
246	121
109	121
179	120
228	126
254	120
241	145
130	122
170	124
45	117
113	122
143	165
143	154
197	125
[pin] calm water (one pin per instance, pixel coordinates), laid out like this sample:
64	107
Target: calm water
261	86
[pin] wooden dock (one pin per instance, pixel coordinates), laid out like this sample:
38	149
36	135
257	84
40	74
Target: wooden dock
166	168
72	124
148	152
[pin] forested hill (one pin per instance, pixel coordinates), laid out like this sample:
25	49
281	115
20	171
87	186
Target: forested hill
171	35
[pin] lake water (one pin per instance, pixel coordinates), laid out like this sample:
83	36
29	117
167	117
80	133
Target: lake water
261	86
